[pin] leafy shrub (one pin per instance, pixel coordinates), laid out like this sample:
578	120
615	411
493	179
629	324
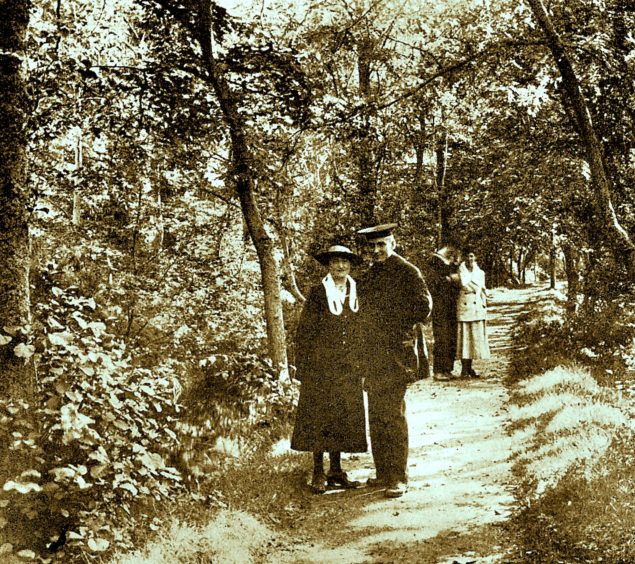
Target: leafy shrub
94	442
229	536
574	437
600	336
543	344
235	404
567	420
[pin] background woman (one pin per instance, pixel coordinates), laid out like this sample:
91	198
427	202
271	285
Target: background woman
471	314
330	415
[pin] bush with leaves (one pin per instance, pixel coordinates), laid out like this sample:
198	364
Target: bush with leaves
600	336
96	440
236	405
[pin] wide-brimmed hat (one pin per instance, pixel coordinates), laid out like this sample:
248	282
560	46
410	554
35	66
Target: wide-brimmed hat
337	251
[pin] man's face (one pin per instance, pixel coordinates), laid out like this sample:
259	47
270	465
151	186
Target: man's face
381	249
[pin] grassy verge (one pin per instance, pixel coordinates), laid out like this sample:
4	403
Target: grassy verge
574	450
234	513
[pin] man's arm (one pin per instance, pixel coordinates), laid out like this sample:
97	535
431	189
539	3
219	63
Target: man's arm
421	300
424	299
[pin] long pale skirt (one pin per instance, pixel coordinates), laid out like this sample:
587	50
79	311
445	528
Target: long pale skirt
472	340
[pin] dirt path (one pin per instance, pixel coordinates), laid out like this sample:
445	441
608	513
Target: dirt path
460	484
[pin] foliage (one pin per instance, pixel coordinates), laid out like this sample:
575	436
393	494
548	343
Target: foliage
96	441
566	421
238	405
262	494
599	335
581	520
228	536
143	281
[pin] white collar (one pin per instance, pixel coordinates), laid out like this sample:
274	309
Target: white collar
334	295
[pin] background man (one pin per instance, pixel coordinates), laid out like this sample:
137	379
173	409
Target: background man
393	297
443	281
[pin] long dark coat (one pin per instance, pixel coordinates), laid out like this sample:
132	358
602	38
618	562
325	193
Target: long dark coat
393	297
330	415
445	295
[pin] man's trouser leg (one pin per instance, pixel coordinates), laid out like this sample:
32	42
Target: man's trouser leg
444	347
388	431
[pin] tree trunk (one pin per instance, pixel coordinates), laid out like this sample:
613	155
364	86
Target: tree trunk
244	178
572	270
441	151
420	147
511	264
615	235
79	163
420	199
288	269
17	375
365	150
552	267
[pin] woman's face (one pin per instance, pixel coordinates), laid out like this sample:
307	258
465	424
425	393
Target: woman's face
469	260
339	267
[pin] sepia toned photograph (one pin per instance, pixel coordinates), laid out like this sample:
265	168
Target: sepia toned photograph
317	281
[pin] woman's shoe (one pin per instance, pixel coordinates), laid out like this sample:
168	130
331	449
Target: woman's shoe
473	374
318	483
441	377
341	479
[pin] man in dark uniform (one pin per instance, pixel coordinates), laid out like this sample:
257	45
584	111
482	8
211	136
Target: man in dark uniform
393	297
443	281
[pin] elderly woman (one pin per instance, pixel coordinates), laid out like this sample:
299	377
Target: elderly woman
330	415
471	314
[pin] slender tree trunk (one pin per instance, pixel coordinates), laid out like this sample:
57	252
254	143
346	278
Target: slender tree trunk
420	147
17	377
420	199
441	151
552	268
511	275
79	163
244	178
572	270
552	259
288	269
615	235
365	148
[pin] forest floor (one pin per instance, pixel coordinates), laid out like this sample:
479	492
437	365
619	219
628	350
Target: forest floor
460	484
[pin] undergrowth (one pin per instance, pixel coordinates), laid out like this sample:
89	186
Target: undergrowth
234	515
574	436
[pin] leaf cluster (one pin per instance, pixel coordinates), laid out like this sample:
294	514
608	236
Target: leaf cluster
97	440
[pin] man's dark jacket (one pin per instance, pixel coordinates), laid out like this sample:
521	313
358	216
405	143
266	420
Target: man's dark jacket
393	296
